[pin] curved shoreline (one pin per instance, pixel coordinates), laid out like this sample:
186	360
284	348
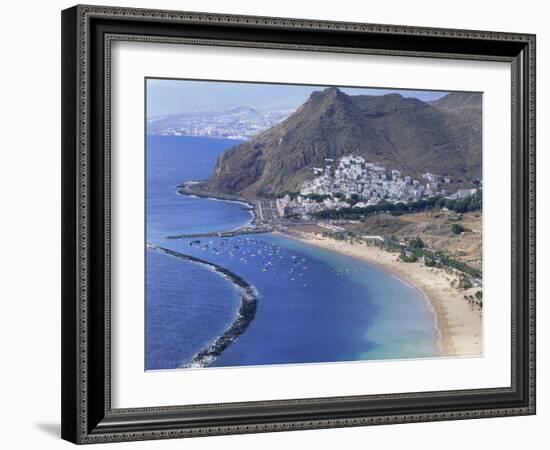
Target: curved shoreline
438	334
459	326
430	305
186	189
245	315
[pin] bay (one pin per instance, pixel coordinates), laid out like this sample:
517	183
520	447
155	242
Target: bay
314	305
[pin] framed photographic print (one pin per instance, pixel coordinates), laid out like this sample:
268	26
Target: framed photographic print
267	222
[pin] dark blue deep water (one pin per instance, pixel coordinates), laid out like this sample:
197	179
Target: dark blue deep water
314	305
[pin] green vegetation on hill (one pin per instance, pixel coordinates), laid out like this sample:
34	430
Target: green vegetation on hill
445	260
414	249
471	203
456	228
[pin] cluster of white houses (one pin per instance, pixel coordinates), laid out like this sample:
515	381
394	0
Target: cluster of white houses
302	205
352	177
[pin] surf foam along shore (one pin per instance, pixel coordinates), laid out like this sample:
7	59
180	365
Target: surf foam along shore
245	315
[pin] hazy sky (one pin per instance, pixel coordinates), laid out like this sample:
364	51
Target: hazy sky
182	96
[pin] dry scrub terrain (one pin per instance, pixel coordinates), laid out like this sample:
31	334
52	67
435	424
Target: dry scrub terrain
434	228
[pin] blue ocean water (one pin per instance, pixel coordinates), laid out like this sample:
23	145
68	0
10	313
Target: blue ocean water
314	305
172	160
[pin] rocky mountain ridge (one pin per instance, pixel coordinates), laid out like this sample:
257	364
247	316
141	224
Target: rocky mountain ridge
406	134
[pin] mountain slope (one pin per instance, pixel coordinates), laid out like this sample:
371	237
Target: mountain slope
407	134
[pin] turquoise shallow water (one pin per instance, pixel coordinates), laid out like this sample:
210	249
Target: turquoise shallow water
314	305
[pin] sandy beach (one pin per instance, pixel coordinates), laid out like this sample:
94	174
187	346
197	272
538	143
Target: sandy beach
459	321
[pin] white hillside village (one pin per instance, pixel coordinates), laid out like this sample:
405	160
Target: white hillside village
354	182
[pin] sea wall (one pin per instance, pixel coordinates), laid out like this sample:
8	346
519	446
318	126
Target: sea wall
245	315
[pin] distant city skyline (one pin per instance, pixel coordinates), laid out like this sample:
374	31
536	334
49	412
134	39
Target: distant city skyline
169	96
